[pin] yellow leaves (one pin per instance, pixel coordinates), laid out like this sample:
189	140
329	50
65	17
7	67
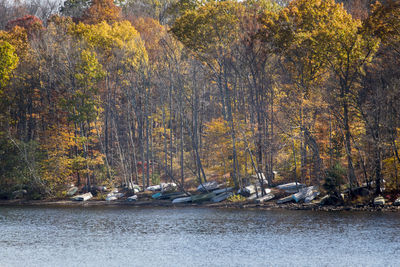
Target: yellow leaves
8	61
219	143
18	38
111	40
212	28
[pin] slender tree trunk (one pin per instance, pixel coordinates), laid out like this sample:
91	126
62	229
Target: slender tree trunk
347	138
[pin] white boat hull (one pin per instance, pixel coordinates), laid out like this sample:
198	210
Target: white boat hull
83	197
182	200
265	198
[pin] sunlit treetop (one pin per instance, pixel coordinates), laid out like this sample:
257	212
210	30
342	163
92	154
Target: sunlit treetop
108	39
101	10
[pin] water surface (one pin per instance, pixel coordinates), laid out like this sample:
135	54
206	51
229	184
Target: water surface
130	236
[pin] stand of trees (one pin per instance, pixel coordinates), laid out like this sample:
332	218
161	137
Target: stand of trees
102	92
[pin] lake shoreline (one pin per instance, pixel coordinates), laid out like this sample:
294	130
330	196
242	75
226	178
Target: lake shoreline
226	205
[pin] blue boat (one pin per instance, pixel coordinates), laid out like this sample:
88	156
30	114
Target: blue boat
156	195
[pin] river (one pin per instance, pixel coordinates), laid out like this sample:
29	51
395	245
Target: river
130	236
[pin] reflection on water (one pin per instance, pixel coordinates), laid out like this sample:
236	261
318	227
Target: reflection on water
129	236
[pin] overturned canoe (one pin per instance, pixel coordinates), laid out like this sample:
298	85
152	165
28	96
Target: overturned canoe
83	197
252	197
247	191
303	193
209	186
175	195
154	188
311	197
221	197
132	198
223	190
250	190
291	187
285	199
182	200
259	194
156	195
114	196
111	198
171	195
203	197
265	198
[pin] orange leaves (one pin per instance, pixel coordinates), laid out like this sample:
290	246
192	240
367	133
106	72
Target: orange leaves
102	10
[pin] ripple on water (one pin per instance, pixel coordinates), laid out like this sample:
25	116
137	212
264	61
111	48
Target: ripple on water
117	236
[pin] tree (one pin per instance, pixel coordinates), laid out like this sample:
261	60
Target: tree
31	24
101	10
211	32
319	35
74	8
8	62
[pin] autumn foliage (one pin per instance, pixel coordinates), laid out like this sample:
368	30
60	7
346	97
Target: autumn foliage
198	90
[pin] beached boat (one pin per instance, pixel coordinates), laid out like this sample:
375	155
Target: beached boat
379	201
303	193
175	195
397	202
247	191
221	197
132	198
252	197
156	195
83	197
172	195
182	200
291	187
311	197
111	198
265	198
223	190
207	187
203	197
114	196
154	188
285	199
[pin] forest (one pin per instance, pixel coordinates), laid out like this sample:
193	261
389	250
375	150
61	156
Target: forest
103	92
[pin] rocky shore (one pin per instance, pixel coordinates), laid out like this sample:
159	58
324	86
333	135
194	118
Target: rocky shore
228	205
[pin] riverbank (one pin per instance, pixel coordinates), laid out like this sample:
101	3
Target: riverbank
227	205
